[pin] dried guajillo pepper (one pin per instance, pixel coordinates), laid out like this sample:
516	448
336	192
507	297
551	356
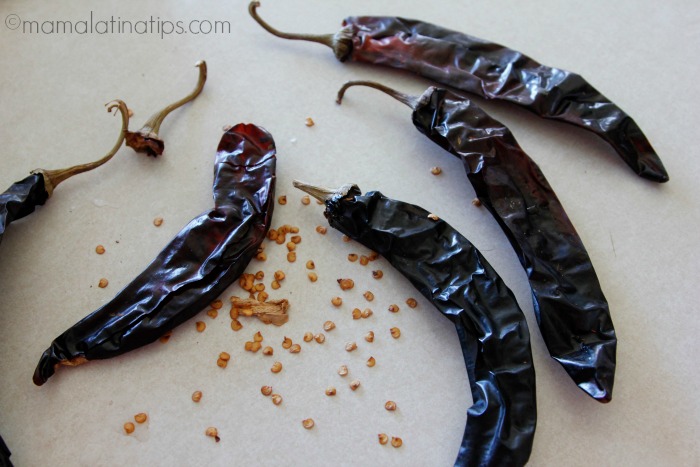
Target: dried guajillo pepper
4	454
24	196
491	71
451	273
569	304
208	255
146	140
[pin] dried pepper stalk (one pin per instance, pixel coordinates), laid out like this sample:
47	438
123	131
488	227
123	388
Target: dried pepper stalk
146	140
24	196
450	272
194	268
569	304
491	71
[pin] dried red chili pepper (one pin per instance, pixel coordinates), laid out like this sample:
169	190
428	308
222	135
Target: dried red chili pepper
146	140
450	272
24	196
206	256
4	454
569	304
491	71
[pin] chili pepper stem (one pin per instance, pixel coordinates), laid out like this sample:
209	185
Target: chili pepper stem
341	42
411	101
53	177
321	193
139	140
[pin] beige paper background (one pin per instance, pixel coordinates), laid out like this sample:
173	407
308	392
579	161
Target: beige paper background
642	237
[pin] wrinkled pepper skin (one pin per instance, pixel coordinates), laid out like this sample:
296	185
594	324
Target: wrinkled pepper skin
207	256
493	71
21	199
570	307
4	454
493	333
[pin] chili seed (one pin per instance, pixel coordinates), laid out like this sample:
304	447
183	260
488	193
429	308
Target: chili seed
158	221
313	277
346	239
296	348
259	287
373	255
196	396
395	332
201	326
140	417
236	325
310	265
212	433
364	260
268	350
378	274
371	362
99	249
352	257
221	363
433	217
166	337
257	337
291	256
280	239
346	284
248	346
129	428
103	283
305	200
369	296
336	301
261	256
217	304
383	438
330	391
369	337
225	356
328	326
266	390
390	406
255	347
320	338
356	313
435	170
396	442
262	296
476	202
293	229
350	346
412	302
291	246
282	200
276	367
308	336
279	275
275	285
321	229
343	370
308	423
394	308
276	399
259	276
272	234
355	384
309	121
286	343
366	313
212	313
296	239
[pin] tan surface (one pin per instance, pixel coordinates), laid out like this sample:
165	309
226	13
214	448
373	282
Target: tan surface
642	238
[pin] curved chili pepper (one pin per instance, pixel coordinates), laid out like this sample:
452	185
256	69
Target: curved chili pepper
570	307
146	139
490	71
24	196
203	259
4	454
451	273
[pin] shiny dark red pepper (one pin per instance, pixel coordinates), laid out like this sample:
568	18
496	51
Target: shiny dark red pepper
491	71
451	273
569	304
207	256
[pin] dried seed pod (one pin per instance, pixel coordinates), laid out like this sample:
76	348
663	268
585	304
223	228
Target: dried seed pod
236	325
212	313
371	362
308	423
320	338
212	433
266	390
296	348
343	370
396	442
201	326
286	343
196	396
99	249
390	406
369	337
350	346
369	296
412	302
395	332
378	274
336	301
310	265
276	367
330	391
354	384
313	277
321	229
328	326
140	417
352	257
217	304
282	200
103	283
268	351
394	308
291	256
225	356
435	170
276	399
366	313
346	284
129	428
383	438
356	313
364	260
308	336
257	337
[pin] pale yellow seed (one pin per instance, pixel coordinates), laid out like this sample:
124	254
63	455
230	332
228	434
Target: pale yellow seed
268	350
369	296
266	390
217	304
390	406
396	442
355	384
276	367
275	285
129	428
336	301
330	391
356	313
103	283
196	396
99	249
255	347
394	308
225	356
395	332
364	260
296	238
313	277
140	417
328	326
383	438
320	338
291	256
412	302
369	337
257	337
309	121
262	296
352	257
259	287
350	346
276	399
435	170
249	346
296	348
212	313
261	256
158	221
291	246
308	423
222	363
310	265
308	336
305	200
371	362
366	313
259	276
282	200
236	325
279	275
343	370
378	274
321	229
346	284
212	433
286	343
201	326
